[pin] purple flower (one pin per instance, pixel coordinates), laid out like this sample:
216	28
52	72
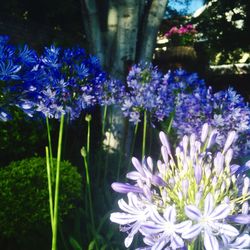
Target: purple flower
166	228
210	223
191	195
136	212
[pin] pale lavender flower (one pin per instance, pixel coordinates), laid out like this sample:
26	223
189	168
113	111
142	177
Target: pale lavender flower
209	223
242	241
136	211
166	228
192	197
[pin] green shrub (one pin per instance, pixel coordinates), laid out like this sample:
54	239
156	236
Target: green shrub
24	203
27	134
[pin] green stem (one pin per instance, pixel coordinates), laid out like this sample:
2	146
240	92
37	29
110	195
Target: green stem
86	163
170	123
49	187
104	120
89	191
144	133
50	149
56	199
88	119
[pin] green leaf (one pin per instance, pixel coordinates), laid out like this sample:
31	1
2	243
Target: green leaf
74	244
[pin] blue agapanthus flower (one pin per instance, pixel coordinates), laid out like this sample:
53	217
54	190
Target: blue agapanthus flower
65	81
16	63
144	87
193	199
151	91
224	110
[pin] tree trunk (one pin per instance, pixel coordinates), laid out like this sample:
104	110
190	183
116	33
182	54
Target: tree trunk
129	34
150	30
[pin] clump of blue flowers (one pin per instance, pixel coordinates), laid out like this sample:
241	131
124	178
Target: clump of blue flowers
57	82
15	65
223	110
151	91
195	199
144	84
65	81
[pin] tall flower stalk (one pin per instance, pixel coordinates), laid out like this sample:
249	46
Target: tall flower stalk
144	134
57	185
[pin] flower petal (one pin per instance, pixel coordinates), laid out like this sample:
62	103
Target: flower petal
192	212
241	242
176	241
125	188
227	229
122	218
210	242
134	175
192	232
204	132
138	166
240	219
150	228
164	141
220	212
158	181
170	214
183	226
156	217
209	205
229	141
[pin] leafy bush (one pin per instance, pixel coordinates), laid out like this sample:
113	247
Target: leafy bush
24	206
27	134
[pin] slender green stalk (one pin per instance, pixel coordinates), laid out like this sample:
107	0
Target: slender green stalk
49	187
144	133
56	199
106	160
88	119
104	120
86	154
50	149
89	190
170	122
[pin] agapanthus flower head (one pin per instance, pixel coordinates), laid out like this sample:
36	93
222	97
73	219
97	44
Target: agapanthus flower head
190	199
16	63
65	81
151	91
146	92
224	110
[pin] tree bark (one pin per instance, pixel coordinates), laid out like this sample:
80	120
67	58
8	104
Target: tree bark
150	30
128	17
92	28
130	35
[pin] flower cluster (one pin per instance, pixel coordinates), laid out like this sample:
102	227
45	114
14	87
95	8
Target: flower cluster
224	110
64	82
143	83
184	35
192	199
60	81
151	91
15	65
